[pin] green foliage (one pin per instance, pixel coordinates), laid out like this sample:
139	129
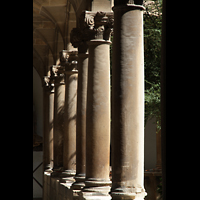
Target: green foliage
152	60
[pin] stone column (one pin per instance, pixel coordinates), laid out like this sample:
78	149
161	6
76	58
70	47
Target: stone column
77	41
69	150
46	161
48	123
59	102
128	103
98	27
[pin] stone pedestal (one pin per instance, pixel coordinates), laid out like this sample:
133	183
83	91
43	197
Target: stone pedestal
128	103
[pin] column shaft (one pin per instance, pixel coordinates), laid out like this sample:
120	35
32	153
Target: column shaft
51	121
81	120
59	102
128	103
69	65
46	158
98	111
48	123
97	181
95	29
69	158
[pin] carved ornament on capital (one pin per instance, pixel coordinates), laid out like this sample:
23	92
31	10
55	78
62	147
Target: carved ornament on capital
57	70
48	84
46	81
71	66
63	57
93	25
57	74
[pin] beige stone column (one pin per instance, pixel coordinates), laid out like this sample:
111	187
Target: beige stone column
78	41
97	184
51	122
128	103
59	102
69	150
48	123
46	161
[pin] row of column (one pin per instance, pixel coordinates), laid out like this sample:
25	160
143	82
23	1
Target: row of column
82	107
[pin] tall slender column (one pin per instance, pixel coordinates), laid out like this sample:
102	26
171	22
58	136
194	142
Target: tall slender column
97	183
77	40
128	103
46	161
69	151
51	122
59	102
48	123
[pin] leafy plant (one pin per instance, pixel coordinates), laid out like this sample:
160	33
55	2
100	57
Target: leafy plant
152	60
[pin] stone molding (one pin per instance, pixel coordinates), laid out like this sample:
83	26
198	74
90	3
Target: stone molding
128	193
93	25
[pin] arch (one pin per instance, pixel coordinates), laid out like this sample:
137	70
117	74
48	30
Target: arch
38	64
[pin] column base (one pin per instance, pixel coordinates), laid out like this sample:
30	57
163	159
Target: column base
61	173
94	196
48	171
47	167
67	177
79	183
128	194
96	189
69	174
56	173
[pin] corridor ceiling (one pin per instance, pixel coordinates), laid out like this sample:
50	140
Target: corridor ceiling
52	22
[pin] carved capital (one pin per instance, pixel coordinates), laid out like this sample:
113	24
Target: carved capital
46	81
48	84
99	25
78	38
63	57
93	25
71	66
57	70
54	71
57	74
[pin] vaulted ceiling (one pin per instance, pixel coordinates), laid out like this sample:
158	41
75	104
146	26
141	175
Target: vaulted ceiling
52	22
